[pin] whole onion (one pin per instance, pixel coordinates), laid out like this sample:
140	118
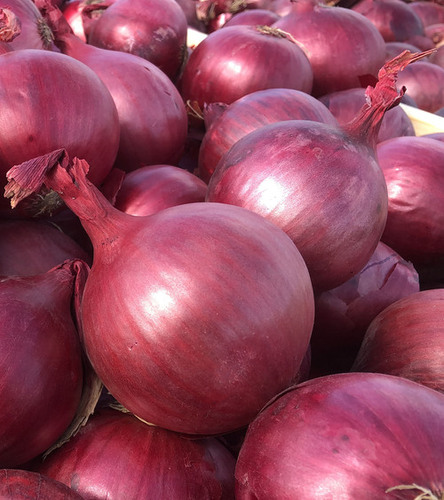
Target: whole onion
345	104
150	189
406	339
44	96
414	172
233	62
347	436
344	313
152	116
251	112
428	12
17	484
153	29
358	50
211	309
41	361
115	455
321	184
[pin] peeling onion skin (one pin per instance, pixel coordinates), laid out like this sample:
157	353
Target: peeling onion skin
345	436
407	340
117	456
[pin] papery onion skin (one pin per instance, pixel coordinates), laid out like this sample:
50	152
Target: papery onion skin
414	168
42	113
358	49
253	17
407	340
238	60
40	398
150	189
117	456
250	112
17	484
347	436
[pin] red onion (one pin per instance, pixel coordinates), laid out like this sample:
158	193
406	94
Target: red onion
253	17
344	313
251	112
345	105
414	172
44	96
438	59
238	60
29	247
153	29
150	189
407	340
428	12
424	81
152	462
392	49
436	32
152	115
40	398
321	184
16	484
358	49
197	289
347	436
73	14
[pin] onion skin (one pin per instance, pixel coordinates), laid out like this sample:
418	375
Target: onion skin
251	112
358	49
218	71
413	168
27	95
407	340
253	17
428	12
72	12
150	189
345	436
155	30
147	462
16	484
40	398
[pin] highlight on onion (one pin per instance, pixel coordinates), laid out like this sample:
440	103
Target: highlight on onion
235	61
348	436
115	455
218	289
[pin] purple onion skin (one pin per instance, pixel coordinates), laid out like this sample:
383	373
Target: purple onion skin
41	363
345	436
251	112
414	171
117	456
155	30
17	484
218	71
407	340
253	17
325	190
343	314
358	49
345	105
429	12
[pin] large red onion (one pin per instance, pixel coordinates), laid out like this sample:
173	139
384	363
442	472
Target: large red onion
152	116
343	314
150	189
345	104
237	60
153	29
251	112
414	172
41	360
321	184
44	97
17	484
117	456
343	47
346	436
211	309
406	339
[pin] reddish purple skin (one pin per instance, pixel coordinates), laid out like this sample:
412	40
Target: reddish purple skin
325	190
345	436
407	340
429	12
253	17
117	456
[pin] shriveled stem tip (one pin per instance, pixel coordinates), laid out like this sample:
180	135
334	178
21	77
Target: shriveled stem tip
10	25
